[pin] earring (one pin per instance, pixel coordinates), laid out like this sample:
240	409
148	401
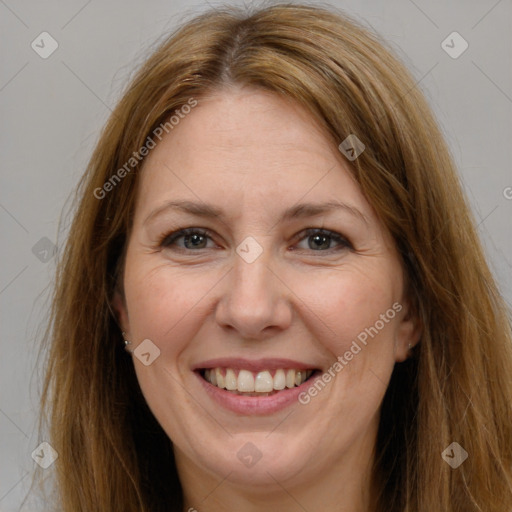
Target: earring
126	343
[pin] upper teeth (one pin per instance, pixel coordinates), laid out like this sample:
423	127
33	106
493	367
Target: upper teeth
263	382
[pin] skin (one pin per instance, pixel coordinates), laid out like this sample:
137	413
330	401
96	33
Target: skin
254	154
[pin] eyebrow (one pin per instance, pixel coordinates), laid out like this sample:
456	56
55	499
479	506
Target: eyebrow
302	210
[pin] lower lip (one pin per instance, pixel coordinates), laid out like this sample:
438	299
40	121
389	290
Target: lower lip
252	405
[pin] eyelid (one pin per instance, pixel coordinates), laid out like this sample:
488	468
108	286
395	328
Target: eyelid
342	240
334	235
178	233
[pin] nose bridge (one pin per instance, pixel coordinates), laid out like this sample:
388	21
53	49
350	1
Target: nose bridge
252	279
254	299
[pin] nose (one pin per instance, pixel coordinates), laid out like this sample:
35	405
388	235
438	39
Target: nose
255	299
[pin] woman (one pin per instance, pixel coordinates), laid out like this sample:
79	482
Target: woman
272	227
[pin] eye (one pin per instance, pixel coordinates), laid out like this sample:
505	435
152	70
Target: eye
193	238
320	240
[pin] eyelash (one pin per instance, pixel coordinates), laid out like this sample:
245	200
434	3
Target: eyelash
167	240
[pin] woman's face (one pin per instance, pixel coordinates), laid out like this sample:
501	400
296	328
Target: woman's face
258	295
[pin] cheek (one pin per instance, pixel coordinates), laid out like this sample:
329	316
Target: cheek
164	304
350	303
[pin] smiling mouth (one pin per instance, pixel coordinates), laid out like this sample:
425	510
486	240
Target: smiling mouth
248	383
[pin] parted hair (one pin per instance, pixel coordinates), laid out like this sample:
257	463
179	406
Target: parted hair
457	387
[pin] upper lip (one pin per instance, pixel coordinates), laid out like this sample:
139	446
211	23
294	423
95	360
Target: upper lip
255	365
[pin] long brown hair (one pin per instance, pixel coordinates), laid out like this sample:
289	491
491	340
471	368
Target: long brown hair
113	454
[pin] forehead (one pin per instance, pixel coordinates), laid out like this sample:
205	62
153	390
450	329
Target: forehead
238	124
249	139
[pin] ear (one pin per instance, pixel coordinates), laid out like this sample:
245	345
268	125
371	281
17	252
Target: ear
121	313
408	331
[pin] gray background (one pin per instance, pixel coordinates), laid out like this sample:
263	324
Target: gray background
52	110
